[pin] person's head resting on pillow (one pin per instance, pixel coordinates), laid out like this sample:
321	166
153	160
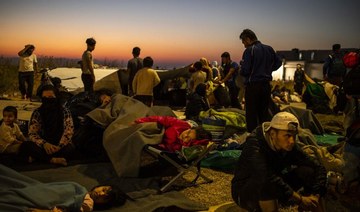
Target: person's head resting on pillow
107	196
281	132
195	135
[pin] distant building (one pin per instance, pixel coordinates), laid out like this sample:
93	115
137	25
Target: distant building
311	60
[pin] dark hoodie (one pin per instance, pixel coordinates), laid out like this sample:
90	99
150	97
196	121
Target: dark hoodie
259	165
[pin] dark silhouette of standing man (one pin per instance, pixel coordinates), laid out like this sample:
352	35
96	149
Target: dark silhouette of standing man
258	63
134	65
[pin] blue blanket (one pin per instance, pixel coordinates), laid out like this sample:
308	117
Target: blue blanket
19	192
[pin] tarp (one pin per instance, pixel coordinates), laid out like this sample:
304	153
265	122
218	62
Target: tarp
108	78
71	77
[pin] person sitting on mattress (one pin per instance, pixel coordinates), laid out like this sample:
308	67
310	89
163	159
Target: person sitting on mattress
50	130
22	193
178	132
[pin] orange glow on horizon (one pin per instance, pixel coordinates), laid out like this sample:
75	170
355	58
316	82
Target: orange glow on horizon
161	50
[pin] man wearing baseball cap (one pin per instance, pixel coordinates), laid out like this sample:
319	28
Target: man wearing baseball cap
272	168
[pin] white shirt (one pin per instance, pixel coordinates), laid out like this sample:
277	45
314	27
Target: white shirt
26	64
8	135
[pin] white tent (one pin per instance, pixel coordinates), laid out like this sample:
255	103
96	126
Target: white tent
108	78
71	78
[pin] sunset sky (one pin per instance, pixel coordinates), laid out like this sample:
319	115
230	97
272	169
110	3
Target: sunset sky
174	31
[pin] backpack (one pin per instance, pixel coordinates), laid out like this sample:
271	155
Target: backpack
337	67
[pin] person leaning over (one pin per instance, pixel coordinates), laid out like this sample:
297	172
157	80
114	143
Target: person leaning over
87	66
144	82
272	168
230	69
258	63
27	66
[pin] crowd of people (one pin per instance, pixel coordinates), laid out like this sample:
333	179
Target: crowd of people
271	167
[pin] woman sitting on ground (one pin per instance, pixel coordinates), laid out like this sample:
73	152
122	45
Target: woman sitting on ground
178	133
50	130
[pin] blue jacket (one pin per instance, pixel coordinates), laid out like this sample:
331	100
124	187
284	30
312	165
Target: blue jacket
258	62
226	69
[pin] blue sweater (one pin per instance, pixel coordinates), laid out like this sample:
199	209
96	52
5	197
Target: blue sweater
258	62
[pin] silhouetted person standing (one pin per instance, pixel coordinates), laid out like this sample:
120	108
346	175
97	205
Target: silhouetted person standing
133	66
334	69
299	77
27	67
258	63
87	66
144	82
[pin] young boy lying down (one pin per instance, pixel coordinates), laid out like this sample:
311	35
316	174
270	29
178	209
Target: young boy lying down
178	133
21	193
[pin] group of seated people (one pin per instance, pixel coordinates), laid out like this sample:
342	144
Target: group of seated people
50	130
52	127
271	167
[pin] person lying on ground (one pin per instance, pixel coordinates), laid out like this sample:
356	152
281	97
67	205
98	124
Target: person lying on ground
21	193
50	130
84	102
278	94
11	136
178	133
272	168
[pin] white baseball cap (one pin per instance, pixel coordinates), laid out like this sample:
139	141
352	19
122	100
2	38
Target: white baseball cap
283	121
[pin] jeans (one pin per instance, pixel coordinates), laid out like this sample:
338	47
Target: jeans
26	78
88	81
257	103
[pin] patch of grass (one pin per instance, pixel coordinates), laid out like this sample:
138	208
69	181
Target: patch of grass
9	76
